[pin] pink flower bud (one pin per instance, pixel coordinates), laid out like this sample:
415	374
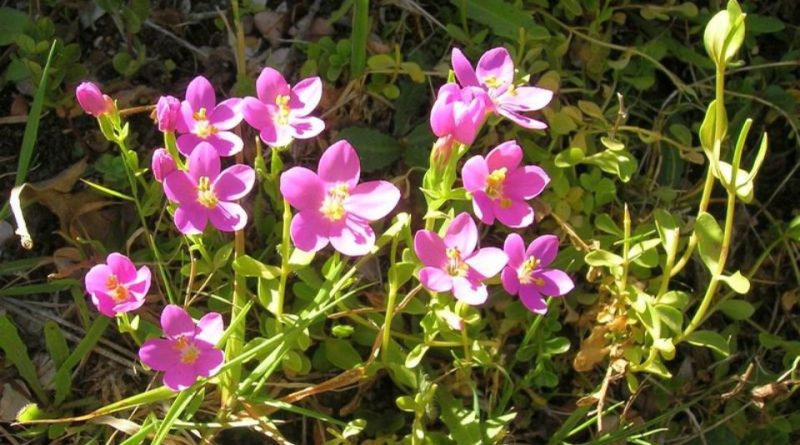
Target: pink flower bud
92	100
167	111
162	164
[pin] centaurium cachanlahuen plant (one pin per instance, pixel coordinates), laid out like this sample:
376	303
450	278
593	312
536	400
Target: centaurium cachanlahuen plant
453	264
202	119
116	286
500	186
459	112
162	164
168	111
189	350
204	193
495	75
92	100
333	206
528	275
281	111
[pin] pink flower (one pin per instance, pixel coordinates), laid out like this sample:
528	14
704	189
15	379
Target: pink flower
500	186
162	164
527	273
117	286
495	74
333	206
280	112
202	119
453	263
188	352
203	193
168	111
459	112
92	100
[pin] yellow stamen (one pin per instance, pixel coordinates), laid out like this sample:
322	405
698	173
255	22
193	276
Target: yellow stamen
492	81
202	127
116	290
188	351
495	182
525	272
456	266
282	118
333	205
205	194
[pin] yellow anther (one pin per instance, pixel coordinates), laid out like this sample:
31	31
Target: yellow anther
187	349
525	272
116	290
333	205
282	101
495	182
202	127
492	81
200	115
456	266
205	194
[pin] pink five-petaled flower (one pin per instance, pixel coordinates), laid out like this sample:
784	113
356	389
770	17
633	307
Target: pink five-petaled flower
333	206
453	263
168	111
280	112
204	193
189	350
92	100
527	273
117	286
203	119
500	186
495	74
459	112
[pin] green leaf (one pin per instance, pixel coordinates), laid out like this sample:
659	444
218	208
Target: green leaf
600	258
59	351
85	346
737	309
612	144
760	24
376	150
671	317
744	186
569	157
793	230
416	355
341	353
464	425
556	345
737	282
709	339
250	267
16	353
668	229
604	223
709	240
12	22
505	19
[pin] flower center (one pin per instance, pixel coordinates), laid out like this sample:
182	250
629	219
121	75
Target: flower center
456	267
282	101
492	81
494	183
525	272
187	349
333	205
116	290
205	194
202	127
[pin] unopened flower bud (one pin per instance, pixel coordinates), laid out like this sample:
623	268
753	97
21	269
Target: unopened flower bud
92	100
162	164
167	111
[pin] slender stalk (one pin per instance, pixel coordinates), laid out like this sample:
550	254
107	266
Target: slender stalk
391	299
285	270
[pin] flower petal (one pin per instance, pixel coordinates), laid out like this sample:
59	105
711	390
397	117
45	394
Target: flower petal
159	354
372	200
515	214
305	96
510	280
488	261
210	328
228	216
180	377
226	143
256	113
204	162
234	182
340	164
496	64
176	322
180	188
271	84
474	174
96	279
462	233
131	304
200	94
514	247
483	207
141	284
187	143
532	299
104	304
430	249
508	155
306	127
523	121
276	135
191	218
526	99
353	236
556	282
122	267
526	183
544	248
208	362
472	292
302	188
435	279
227	114
310	230
463	69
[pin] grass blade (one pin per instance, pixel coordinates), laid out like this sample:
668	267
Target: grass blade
358	55
16	352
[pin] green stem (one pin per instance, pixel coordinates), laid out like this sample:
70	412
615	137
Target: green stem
391	299
285	270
